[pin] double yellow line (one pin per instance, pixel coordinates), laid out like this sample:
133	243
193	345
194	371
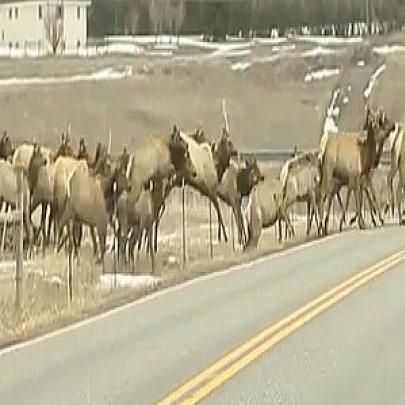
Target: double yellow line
204	383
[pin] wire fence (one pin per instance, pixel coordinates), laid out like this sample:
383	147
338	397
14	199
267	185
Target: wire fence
188	233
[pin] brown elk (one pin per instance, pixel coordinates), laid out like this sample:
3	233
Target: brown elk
266	208
349	158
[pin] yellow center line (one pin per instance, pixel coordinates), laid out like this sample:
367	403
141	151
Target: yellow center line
208	380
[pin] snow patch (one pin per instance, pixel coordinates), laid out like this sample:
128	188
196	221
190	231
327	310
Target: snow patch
230	53
165	54
388	49
108	73
329	40
240	66
332	114
283	48
265	59
270	41
29	52
319	50
109	281
373	80
117	48
320	74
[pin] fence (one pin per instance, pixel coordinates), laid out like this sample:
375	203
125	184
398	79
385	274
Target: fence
15	218
187	232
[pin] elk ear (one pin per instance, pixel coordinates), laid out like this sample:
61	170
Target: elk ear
175	133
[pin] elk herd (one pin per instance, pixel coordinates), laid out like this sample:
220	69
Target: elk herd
127	193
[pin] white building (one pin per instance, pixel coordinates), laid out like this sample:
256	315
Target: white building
47	25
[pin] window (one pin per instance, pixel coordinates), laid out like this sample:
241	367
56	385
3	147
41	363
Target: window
10	13
78	13
40	12
78	43
17	45
59	12
16	12
2	35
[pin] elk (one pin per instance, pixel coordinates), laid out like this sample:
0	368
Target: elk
349	158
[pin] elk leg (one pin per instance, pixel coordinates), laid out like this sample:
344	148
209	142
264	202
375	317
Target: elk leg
221	226
399	200
316	215
390	183
237	213
36	232
44	210
372	207
159	218
155	235
102	237
376	207
28	231
151	250
341	206
346	209
94	240
139	244
328	204
62	222
310	217
286	236
359	205
62	240
51	220
77	234
133	239
69	235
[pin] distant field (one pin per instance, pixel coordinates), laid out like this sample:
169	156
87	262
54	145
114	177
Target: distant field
269	103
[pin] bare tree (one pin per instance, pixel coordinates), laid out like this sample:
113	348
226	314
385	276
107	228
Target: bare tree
131	17
53	21
167	15
157	15
133	10
174	16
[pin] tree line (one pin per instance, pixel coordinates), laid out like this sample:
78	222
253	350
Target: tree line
220	17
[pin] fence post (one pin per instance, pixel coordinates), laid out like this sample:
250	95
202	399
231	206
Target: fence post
70	268
183	225
210	219
19	240
109	140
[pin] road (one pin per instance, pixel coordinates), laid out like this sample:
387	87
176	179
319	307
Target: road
350	353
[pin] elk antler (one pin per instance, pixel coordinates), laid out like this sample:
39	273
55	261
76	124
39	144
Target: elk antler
225	114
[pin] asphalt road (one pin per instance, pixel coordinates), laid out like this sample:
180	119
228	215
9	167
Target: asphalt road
353	353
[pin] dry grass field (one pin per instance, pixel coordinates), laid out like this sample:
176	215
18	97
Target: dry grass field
270	105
